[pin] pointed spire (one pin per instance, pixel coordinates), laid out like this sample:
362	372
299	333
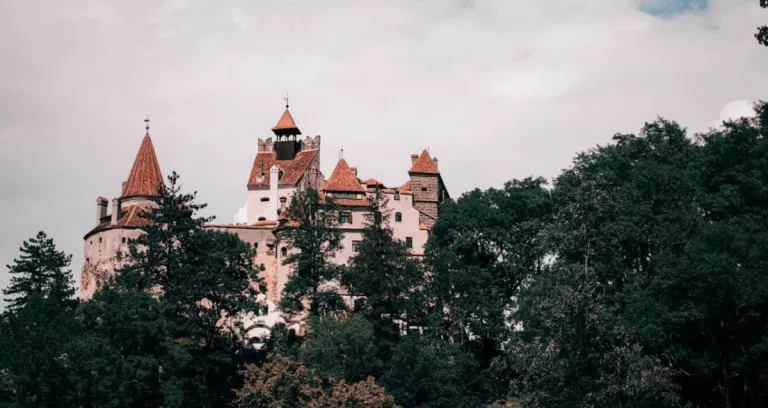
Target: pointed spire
286	126
145	177
424	164
343	179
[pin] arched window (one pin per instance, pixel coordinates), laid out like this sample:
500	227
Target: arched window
284	252
398	217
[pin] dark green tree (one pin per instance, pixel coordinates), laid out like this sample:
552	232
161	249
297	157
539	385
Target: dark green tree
206	283
480	251
385	279
40	270
341	349
307	227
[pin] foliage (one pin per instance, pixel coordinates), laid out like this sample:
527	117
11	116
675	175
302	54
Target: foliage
384	278
308	227
341	349
762	32
281	382
40	270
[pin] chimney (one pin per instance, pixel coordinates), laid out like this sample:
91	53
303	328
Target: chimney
414	157
434	159
354	170
115	210
101	208
122	190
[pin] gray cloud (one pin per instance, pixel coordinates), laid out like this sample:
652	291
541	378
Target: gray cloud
495	89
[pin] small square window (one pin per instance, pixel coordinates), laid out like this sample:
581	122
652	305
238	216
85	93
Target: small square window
398	217
397	195
409	242
423	189
355	245
344	217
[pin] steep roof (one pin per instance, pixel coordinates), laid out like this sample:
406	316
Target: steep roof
286	124
292	169
130	217
424	164
145	177
343	179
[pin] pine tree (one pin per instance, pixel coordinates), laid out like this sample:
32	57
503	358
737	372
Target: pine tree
308	227
385	278
41	270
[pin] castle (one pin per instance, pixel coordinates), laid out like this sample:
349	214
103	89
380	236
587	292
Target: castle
283	166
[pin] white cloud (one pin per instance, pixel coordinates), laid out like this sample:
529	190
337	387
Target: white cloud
241	216
735	110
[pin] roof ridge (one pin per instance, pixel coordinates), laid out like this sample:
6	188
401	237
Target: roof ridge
343	179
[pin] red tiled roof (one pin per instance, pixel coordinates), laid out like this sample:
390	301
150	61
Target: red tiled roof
145	177
286	121
424	164
266	224
343	180
405	187
372	182
292	169
130	217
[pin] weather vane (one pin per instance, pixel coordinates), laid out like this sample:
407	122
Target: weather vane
286	100
146	121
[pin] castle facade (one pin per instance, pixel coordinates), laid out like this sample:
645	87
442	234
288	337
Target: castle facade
284	164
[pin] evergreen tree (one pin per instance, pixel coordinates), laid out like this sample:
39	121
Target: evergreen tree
762	32
385	279
40	270
308	227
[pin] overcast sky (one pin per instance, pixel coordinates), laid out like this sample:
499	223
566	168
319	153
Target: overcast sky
496	89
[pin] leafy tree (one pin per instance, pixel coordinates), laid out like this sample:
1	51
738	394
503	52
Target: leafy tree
40	270
575	353
385	278
284	341
281	382
481	249
308	227
428	373
341	349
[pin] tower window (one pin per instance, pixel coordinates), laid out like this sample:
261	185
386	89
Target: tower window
409	242
345	217
423	189
398	217
284	252
397	195
264	199
123	240
99	240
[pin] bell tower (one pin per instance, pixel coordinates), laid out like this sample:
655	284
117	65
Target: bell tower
286	144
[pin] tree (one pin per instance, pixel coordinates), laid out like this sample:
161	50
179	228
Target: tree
481	249
281	382
341	349
41	270
425	372
308	227
762	32
385	278
205	281
574	351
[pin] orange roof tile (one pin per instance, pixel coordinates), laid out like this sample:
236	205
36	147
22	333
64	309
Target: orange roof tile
424	164
292	169
130	217
286	122
372	182
405	187
343	180
145	177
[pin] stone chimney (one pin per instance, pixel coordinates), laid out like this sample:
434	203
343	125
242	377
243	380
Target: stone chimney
101	208
354	170
414	157
434	159
115	210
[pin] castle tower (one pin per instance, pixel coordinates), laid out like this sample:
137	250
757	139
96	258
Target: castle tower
427	186
281	167
113	231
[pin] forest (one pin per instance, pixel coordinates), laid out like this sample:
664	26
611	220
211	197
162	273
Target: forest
636	278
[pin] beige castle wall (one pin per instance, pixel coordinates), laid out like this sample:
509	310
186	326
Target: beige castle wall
99	254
